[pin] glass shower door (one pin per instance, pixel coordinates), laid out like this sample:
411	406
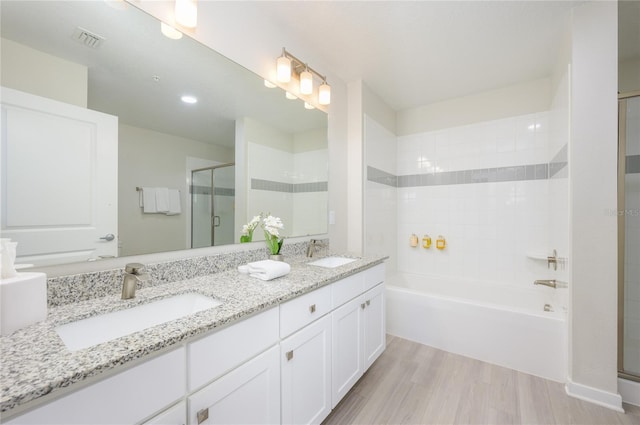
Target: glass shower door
629	166
213	206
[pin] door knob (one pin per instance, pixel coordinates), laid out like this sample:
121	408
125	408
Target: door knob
109	237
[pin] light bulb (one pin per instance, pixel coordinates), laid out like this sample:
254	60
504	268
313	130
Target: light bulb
306	82
283	69
324	94
170	32
187	13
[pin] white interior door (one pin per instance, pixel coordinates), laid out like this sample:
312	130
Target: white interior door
59	179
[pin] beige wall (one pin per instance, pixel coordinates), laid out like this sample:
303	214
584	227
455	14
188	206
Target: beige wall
35	72
519	99
149	158
629	75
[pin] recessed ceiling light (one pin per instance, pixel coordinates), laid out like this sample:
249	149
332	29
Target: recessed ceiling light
189	99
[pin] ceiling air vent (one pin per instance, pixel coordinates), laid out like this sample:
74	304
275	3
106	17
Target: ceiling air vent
87	38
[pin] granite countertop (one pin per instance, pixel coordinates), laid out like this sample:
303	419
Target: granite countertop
35	361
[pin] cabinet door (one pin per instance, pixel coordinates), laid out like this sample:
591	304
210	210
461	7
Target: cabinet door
249	394
306	374
347	335
374	325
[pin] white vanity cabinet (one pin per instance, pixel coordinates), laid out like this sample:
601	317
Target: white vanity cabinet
290	364
358	330
127	397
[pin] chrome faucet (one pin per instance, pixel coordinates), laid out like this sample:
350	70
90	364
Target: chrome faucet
133	273
552	283
311	249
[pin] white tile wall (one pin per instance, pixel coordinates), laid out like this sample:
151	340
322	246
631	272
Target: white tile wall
380	200
489	227
272	164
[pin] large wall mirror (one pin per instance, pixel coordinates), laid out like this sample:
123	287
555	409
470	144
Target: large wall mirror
91	105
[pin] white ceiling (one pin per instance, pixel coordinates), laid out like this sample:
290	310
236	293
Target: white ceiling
413	53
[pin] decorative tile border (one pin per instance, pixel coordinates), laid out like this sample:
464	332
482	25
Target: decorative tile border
480	175
259	184
81	287
218	191
559	162
633	164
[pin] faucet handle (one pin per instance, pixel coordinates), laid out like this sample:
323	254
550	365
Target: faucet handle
134	268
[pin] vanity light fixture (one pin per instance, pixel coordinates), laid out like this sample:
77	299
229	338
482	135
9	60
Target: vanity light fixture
283	68
306	82
269	84
287	64
290	95
186	12
189	99
324	93
307	105
170	32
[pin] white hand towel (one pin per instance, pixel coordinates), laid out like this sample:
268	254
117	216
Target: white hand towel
268	269
174	202
162	199
149	200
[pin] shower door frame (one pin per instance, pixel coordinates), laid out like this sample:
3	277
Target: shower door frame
211	221
622	151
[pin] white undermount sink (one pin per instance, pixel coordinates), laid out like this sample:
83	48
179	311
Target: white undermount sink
332	262
105	327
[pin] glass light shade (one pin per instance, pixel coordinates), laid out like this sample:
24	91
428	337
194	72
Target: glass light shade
283	69
269	84
290	96
306	82
324	94
187	13
308	106
170	32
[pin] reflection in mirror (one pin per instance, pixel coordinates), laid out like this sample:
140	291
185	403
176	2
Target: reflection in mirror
93	117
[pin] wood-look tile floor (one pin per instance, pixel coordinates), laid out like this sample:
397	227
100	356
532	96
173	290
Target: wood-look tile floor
415	384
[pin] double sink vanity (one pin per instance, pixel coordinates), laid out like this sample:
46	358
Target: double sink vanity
220	348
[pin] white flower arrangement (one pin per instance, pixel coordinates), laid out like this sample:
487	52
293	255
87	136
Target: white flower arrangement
272	226
247	229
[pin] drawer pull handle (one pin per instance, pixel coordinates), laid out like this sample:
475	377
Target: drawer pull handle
289	355
202	415
363	305
312	308
368	303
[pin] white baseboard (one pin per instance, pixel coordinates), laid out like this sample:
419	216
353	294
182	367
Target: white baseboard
602	398
630	391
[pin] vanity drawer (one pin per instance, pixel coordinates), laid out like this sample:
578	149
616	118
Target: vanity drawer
374	276
303	310
347	289
218	353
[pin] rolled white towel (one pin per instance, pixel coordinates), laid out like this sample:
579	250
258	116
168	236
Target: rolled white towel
268	269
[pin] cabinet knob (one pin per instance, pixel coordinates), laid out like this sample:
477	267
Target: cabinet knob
368	303
289	355
312	308
363	305
202	415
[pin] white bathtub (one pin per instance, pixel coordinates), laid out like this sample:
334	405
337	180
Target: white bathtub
499	324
